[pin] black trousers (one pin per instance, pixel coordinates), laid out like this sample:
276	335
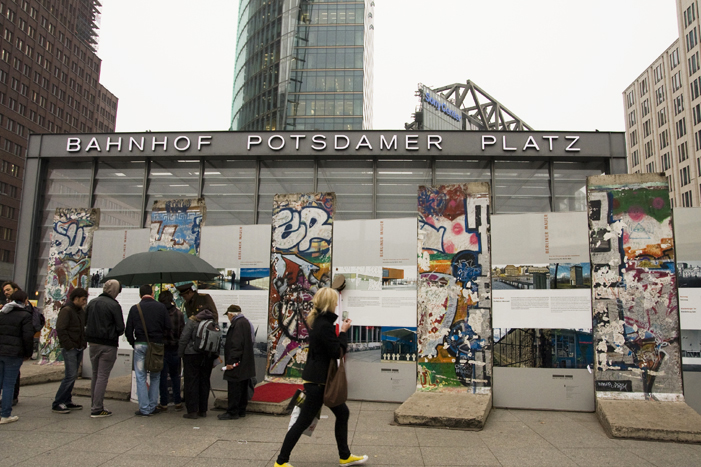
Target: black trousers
197	369
310	407
238	396
17	386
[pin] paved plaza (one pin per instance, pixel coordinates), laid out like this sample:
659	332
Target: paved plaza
511	437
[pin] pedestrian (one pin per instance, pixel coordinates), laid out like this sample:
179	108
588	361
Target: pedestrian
197	367
16	344
70	328
104	325
8	288
233	279
195	301
240	366
171	359
324	347
155	315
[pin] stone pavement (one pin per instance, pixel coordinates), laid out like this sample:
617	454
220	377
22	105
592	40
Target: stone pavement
510	437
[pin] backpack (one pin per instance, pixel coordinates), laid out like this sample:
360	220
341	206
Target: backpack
208	337
38	319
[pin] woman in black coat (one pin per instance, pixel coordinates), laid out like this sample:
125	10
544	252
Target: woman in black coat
16	345
324	346
240	366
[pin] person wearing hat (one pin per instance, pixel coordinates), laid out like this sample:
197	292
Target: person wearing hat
196	302
240	366
104	324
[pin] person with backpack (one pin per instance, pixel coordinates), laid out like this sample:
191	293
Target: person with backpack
199	346
16	339
38	320
171	360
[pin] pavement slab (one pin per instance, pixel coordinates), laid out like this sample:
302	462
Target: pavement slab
469	411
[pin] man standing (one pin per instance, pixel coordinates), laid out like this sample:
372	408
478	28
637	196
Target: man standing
196	302
70	328
157	323
105	324
240	366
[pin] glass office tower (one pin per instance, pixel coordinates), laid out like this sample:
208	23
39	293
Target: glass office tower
303	65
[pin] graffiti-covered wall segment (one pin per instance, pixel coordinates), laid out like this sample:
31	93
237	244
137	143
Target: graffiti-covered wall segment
176	224
454	295
69	268
300	264
634	298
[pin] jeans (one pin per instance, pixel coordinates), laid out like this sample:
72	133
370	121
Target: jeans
197	371
9	369
171	366
102	358
71	361
146	393
310	407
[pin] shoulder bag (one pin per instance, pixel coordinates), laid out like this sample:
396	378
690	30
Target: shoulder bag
336	389
154	351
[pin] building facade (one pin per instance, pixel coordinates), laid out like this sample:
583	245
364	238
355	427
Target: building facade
303	65
663	113
49	83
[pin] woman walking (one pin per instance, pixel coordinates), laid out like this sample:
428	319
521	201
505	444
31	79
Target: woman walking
197	367
324	346
16	345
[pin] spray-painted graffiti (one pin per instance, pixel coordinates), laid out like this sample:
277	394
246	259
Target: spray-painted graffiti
454	299
176	224
69	268
636	321
300	265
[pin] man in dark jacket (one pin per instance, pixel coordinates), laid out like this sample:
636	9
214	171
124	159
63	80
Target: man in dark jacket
240	366
157	321
16	343
196	302
70	328
171	359
105	324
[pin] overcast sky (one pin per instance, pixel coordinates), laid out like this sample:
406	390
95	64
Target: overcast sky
558	65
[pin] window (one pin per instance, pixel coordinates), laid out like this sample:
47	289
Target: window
674	59
678	104
643	87
664	139
635	158
630	99
681	128
666	161
686	199
683	152
659	94
633	138
696	112
648	149
631	118
659	74
645	107
647	128
694	63
650	168
689	15
676	81
691	40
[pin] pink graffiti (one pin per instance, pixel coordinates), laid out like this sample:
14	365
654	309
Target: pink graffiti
658	203
636	213
449	247
474	239
457	228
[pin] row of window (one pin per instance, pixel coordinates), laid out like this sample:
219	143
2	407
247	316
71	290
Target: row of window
6	233
9	190
10	168
7	211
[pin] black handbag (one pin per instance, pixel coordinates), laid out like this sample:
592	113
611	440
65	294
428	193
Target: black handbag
154	352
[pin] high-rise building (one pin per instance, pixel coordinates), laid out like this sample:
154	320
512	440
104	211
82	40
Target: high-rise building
49	83
303	65
663	113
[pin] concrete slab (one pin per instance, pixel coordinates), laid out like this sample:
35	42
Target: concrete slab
118	388
649	420
221	401
464	411
33	373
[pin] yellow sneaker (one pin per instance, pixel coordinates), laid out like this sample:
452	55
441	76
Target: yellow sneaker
283	465
353	460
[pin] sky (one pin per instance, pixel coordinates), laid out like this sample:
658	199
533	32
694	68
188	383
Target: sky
558	65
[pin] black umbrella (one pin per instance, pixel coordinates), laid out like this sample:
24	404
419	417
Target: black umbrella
161	267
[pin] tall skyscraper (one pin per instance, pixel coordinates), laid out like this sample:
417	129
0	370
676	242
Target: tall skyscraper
49	83
663	113
303	65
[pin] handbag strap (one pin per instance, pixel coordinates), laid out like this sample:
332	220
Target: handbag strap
143	322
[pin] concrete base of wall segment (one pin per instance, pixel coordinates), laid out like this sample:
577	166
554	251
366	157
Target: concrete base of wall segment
462	411
649	420
33	373
118	388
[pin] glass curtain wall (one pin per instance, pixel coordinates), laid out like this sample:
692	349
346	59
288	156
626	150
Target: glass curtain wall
278	177
169	179
326	81
119	187
229	191
352	181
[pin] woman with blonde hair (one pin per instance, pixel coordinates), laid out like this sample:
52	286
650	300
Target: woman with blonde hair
324	347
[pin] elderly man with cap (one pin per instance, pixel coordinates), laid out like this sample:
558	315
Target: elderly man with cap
240	366
104	325
196	302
